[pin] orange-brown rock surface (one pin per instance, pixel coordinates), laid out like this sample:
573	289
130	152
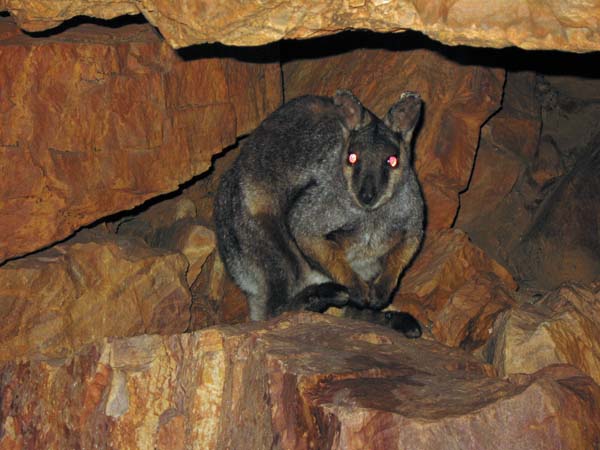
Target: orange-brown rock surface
533	201
458	99
494	210
541	24
455	290
301	381
92	286
96	120
183	224
561	327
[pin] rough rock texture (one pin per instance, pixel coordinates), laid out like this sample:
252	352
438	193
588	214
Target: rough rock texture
301	381
508	141
216	299
92	286
183	224
458	98
455	289
561	327
543	24
97	120
534	198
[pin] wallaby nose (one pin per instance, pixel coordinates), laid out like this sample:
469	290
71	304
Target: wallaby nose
367	191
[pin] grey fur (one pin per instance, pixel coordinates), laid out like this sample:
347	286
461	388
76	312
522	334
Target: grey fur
292	184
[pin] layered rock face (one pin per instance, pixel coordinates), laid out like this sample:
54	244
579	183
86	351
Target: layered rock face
95	285
560	327
540	24
302	381
533	200
92	114
97	340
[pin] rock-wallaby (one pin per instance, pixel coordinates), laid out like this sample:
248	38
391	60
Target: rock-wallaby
322	207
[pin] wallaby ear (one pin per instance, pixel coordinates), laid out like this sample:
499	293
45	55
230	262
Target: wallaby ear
354	113
402	118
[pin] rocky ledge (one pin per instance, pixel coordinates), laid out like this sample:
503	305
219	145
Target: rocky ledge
300	381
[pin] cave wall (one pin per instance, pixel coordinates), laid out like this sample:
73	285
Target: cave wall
107	135
92	114
533	196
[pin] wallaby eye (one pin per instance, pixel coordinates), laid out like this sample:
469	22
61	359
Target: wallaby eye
352	158
392	161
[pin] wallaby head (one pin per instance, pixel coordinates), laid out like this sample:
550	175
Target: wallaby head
378	152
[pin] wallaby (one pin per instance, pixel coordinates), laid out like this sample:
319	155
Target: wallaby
322	207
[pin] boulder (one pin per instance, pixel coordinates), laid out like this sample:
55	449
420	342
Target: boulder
563	326
92	286
300	381
455	290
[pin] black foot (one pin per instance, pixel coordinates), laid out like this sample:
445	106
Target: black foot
317	298
404	323
399	321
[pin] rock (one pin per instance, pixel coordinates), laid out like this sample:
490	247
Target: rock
216	299
300	381
496	208
97	120
561	327
195	242
561	241
458	99
534	182
455	290
92	286
566	25
160	228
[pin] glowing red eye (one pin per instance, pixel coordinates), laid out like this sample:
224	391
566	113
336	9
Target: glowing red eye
392	161
352	158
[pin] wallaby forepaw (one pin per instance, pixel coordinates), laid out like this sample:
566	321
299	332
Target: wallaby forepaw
333	294
319	297
404	323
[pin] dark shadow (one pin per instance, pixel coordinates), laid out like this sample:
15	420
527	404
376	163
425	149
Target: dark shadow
515	59
76	21
262	54
585	65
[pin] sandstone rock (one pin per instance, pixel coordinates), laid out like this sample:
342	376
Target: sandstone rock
98	120
216	299
561	241
87	288
458	99
561	327
301	381
495	210
195	242
532	202
455	289
186	236
542	24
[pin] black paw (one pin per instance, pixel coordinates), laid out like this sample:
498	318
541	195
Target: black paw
404	323
319	297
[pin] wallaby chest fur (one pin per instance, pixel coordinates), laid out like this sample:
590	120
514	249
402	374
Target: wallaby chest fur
322	192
